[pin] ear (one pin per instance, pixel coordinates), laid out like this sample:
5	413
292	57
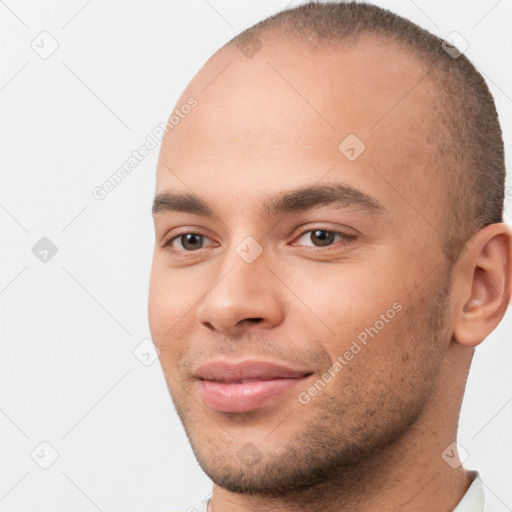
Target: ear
483	277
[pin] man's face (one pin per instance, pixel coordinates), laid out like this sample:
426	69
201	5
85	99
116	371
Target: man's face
349	295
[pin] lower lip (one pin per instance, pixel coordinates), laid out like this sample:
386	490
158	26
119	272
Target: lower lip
243	396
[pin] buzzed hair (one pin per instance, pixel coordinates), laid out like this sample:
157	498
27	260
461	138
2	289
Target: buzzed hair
465	126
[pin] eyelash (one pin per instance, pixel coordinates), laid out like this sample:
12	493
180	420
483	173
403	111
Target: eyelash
167	243
346	238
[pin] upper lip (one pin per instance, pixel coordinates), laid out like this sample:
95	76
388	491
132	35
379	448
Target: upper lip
230	372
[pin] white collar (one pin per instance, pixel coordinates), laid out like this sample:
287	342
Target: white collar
473	500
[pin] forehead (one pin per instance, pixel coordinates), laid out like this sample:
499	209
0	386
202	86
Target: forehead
283	113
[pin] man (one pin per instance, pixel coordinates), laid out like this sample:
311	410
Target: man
329	252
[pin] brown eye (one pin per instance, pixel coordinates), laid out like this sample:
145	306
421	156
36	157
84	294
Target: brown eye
187	242
191	241
322	237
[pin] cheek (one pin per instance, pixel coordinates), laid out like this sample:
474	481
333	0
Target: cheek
348	300
165	306
171	294
382	367
157	303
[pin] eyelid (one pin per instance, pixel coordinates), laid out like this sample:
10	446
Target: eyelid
167	240
347	237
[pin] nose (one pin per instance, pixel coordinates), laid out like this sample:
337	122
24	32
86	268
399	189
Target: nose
242	295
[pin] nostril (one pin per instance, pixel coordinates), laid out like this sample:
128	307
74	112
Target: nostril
255	320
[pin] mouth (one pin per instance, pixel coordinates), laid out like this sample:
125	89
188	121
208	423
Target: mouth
246	385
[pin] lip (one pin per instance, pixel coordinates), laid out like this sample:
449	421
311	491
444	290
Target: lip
245	385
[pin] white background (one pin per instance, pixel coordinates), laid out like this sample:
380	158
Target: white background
69	326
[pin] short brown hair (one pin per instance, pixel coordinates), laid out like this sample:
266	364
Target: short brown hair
467	132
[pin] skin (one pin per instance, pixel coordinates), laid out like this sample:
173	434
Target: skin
373	438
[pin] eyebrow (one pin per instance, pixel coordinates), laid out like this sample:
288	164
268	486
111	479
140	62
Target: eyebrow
304	198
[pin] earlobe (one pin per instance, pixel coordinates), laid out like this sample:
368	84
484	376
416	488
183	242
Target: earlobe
484	281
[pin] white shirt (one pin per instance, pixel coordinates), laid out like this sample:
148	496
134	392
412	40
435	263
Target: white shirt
472	501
